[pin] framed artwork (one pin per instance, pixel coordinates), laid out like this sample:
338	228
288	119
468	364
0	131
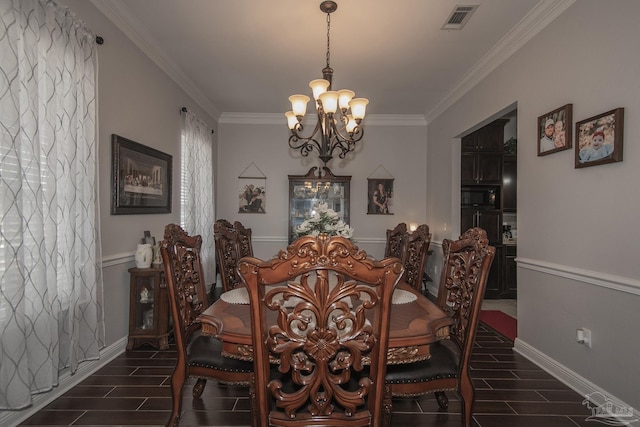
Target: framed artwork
252	195
380	196
141	178
554	130
599	139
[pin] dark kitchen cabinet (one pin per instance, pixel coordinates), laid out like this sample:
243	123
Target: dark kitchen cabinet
509	184
489	220
494	281
510	282
481	168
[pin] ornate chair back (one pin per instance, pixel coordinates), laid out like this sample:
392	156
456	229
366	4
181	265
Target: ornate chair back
467	262
396	245
245	247
462	284
416	256
197	355
320	312
228	252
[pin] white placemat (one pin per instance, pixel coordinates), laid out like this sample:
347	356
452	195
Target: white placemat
240	296
400	296
235	296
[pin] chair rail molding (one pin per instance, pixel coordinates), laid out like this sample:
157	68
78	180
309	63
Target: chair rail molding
609	281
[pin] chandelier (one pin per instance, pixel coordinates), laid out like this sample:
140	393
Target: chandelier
327	136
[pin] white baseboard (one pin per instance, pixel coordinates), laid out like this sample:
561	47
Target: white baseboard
66	383
579	384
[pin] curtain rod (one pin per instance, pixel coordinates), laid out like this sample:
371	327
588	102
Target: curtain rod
184	110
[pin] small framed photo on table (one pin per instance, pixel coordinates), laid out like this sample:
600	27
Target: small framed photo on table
599	139
554	131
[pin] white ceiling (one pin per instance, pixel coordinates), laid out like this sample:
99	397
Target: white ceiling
248	56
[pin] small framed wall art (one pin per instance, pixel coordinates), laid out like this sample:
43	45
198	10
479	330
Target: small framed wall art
554	130
599	139
252	190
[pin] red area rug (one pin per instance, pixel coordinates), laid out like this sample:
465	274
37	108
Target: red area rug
501	322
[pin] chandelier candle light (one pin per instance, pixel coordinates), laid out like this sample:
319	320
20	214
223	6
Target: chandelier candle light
328	103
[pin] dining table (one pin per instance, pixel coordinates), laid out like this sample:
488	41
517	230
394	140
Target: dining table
416	323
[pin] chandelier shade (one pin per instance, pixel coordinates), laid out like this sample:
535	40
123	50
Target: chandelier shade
339	114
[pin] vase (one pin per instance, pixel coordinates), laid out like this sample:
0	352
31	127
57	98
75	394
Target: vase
144	255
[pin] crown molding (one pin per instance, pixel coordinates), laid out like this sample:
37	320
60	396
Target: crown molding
278	119
135	31
545	12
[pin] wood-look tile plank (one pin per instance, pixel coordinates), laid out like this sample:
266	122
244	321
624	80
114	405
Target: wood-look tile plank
561	395
526	384
89	391
205	418
123	418
493	373
46	417
122	380
523	421
95	403
153	371
145	391
550	408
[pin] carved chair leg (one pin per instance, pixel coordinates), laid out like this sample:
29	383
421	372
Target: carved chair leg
442	399
387	407
177	381
467	395
255	419
199	388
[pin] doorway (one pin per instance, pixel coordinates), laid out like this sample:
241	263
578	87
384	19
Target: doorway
488	172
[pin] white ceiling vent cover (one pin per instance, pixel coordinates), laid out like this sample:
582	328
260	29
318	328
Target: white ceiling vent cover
459	17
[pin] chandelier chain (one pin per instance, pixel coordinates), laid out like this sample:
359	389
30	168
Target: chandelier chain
328	37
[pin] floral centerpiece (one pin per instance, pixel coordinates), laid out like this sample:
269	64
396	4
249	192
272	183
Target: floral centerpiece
324	220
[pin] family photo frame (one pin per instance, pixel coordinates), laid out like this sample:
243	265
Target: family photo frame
141	178
554	130
599	139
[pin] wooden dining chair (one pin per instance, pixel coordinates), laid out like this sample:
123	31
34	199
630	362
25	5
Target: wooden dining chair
198	355
396	245
227	252
320	311
243	237
415	256
464	276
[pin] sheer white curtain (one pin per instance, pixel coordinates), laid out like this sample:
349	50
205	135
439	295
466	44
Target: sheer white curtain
50	277
196	195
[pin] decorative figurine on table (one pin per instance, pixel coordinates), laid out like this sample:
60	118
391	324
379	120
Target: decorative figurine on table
157	257
144	294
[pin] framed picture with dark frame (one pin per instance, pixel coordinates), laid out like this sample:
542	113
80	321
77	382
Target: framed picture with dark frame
599	139
141	178
554	130
380	196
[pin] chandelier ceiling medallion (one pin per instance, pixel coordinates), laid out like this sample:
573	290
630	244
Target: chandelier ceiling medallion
327	135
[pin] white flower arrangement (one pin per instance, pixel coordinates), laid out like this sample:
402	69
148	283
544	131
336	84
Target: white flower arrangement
324	220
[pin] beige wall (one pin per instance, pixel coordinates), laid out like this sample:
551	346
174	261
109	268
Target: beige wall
399	146
577	246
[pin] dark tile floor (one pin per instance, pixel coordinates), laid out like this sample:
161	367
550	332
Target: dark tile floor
134	390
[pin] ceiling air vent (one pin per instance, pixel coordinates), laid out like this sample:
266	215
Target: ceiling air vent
459	17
